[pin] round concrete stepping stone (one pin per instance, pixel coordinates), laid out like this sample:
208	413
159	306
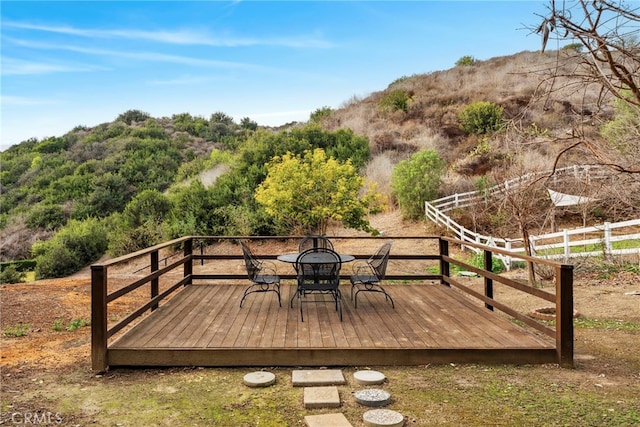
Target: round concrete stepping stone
259	379
373	397
383	418
369	377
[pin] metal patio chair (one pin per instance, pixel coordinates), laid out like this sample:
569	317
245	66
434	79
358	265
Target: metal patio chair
367	276
262	275
314	241
318	271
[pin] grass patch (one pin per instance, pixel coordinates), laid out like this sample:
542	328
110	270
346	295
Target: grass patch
606	271
58	325
15	331
605	324
77	324
439	395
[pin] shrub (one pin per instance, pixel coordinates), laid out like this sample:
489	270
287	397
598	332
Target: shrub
416	180
248	124
74	246
10	274
49	217
396	100
481	117
131	116
398	80
466	61
575	47
622	132
477	260
320	114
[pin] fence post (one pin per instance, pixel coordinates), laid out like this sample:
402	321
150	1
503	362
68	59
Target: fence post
488	283
188	253
567	247
564	315
99	360
608	247
444	265
155	283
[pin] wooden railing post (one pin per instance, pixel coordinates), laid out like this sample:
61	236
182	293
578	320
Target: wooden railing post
188	266
564	315
155	283
99	360
488	283
444	265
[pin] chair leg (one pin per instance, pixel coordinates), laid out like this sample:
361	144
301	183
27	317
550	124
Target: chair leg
373	288
261	287
300	304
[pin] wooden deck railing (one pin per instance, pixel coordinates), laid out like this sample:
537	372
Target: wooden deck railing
189	256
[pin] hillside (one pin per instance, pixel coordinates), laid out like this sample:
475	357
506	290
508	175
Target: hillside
96	172
541	109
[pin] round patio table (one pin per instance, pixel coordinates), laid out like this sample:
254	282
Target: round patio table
315	258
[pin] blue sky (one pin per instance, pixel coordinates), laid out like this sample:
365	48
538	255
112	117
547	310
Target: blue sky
73	63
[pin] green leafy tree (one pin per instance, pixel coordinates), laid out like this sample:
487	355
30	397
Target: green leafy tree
309	192
481	118
416	180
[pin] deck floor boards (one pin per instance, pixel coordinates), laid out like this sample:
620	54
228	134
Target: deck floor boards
426	317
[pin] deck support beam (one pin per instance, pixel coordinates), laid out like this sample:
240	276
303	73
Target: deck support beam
99	361
564	315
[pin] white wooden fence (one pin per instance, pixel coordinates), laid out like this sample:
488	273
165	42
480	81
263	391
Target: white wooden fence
463	200
600	240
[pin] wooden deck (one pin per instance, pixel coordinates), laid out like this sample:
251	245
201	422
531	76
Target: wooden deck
203	325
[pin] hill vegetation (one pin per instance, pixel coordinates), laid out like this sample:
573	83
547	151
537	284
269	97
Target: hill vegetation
137	180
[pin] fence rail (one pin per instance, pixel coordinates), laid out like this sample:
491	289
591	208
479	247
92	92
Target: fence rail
463	200
598	240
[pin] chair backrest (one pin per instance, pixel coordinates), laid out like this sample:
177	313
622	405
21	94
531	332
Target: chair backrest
251	262
318	268
313	242
380	259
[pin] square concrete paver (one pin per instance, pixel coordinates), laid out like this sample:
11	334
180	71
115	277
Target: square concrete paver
321	397
327	420
317	377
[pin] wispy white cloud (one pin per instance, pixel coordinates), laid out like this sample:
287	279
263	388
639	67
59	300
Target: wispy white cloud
179	37
11	66
24	101
136	55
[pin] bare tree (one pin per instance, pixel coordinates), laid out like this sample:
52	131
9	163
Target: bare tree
609	31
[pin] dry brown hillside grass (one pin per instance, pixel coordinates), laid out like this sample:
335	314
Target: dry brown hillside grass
540	111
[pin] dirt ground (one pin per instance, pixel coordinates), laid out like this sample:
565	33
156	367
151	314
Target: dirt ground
47	308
